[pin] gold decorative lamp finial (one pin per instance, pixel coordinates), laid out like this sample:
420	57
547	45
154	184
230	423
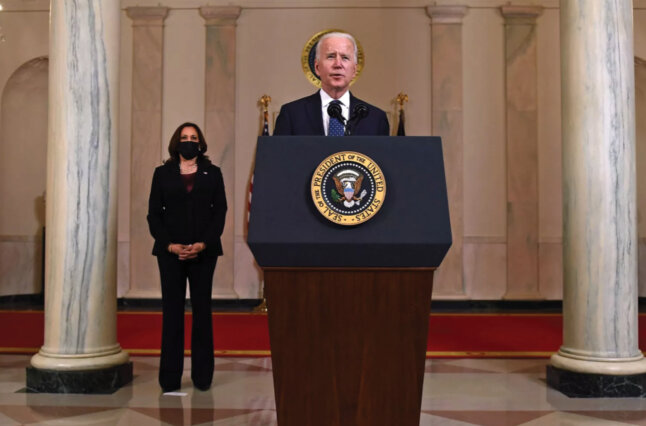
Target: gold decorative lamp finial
401	99
265	100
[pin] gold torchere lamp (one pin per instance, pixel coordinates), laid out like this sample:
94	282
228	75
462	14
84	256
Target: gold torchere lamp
264	101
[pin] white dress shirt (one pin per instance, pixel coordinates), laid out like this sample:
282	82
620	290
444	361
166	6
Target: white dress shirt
325	101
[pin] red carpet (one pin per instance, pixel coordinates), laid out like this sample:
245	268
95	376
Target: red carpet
450	335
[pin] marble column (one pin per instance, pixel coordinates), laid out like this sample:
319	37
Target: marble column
220	108
600	356
522	151
80	353
146	141
447	122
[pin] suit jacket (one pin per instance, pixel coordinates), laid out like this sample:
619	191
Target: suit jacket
303	117
178	216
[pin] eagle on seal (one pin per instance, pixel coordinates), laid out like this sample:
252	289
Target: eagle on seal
348	188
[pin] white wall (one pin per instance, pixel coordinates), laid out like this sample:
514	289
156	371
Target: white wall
395	36
23	135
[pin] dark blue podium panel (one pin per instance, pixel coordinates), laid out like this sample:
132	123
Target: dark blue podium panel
412	229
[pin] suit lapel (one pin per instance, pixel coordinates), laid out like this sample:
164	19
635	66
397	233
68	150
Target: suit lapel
200	175
354	102
314	113
175	179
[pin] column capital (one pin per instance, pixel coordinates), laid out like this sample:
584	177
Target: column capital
521	14
147	16
446	14
220	15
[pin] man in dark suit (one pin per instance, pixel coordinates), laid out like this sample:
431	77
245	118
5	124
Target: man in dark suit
336	66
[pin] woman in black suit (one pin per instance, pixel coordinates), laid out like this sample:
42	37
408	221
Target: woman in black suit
186	211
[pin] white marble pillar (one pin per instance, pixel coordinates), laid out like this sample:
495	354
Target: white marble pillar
219	122
447	121
146	141
600	356
80	271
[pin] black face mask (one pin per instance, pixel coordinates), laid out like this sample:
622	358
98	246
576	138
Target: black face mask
188	150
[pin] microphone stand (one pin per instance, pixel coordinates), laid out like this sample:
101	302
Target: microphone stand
359	112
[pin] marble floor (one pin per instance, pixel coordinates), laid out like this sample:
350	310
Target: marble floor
490	392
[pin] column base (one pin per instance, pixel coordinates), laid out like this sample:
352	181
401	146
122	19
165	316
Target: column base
594	385
98	381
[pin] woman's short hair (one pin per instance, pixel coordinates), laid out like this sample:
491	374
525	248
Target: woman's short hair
337	34
175	141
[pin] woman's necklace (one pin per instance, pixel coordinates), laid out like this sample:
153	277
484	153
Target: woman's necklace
187	168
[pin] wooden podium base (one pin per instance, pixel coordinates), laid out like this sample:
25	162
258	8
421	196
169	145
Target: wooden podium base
348	345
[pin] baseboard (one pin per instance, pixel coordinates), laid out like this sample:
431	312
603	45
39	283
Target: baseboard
36	302
22	301
496	306
218	305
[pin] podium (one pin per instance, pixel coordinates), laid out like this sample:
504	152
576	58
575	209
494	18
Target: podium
348	306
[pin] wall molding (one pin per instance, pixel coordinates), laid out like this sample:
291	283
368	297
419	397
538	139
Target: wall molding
484	240
503	240
43	5
20	238
550	240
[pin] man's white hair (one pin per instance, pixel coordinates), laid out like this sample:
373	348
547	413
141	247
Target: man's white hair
336	34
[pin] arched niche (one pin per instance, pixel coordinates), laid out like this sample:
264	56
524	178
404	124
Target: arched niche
23	174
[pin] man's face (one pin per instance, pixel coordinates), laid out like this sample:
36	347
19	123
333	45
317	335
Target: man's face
336	66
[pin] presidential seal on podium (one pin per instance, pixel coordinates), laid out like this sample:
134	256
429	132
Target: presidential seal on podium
348	188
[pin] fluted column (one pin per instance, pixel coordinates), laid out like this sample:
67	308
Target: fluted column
522	151
80	353
600	355
146	141
447	122
220	124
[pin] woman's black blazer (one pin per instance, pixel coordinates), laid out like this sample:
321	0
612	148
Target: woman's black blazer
178	216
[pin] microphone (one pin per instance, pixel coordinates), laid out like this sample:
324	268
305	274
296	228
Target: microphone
334	111
359	112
